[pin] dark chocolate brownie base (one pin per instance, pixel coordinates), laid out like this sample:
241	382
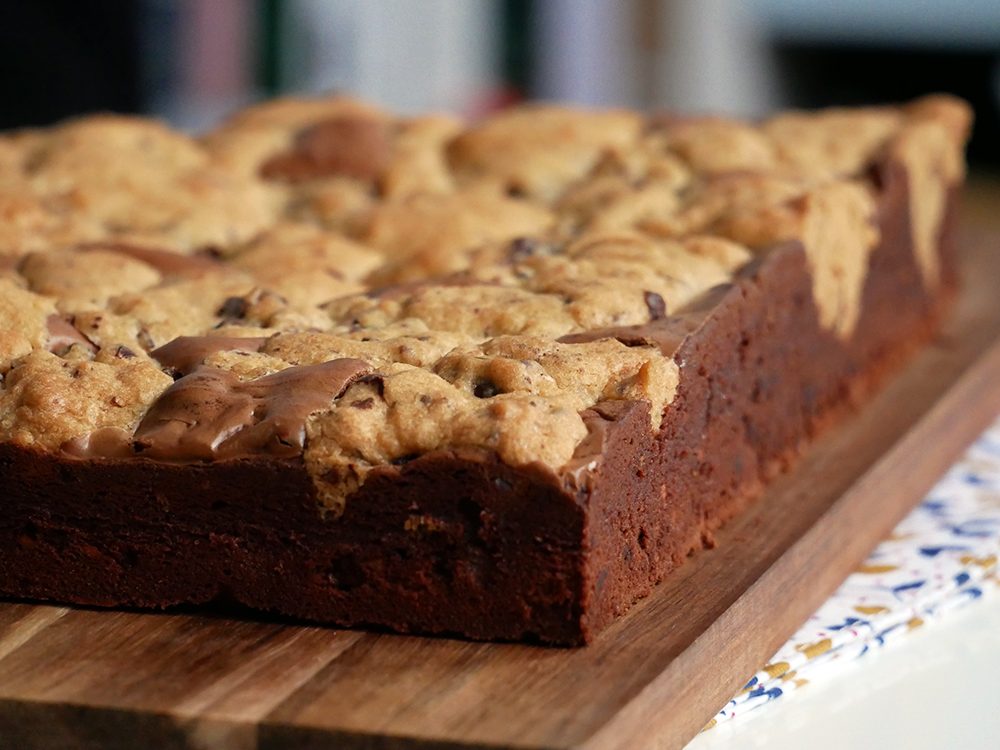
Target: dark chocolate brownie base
457	542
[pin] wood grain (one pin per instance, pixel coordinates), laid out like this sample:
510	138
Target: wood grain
88	678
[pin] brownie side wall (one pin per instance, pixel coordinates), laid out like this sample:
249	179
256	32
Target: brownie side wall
448	544
758	380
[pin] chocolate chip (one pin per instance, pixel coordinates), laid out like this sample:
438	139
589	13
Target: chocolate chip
425	399
875	172
485	389
233	307
123	352
522	247
63	335
211	252
146	339
657	307
376	380
363	403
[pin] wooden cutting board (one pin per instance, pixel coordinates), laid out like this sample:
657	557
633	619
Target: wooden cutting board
88	678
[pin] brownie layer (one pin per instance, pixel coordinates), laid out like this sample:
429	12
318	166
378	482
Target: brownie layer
456	541
440	546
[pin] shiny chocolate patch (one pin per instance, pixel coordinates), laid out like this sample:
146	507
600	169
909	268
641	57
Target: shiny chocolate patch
185	353
164	261
211	414
63	335
358	147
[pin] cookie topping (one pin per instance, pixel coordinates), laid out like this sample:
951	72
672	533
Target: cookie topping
474	287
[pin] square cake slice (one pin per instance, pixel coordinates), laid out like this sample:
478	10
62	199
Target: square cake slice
494	380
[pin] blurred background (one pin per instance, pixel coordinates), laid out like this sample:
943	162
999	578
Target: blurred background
192	61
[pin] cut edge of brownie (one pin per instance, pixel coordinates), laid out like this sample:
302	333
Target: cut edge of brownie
456	542
769	378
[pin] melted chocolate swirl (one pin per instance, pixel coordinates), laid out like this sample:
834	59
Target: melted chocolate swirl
210	414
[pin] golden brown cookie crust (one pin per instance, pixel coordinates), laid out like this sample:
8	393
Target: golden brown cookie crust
452	259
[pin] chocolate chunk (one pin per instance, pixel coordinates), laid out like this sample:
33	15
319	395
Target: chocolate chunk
348	146
210	252
522	247
164	261
185	353
233	307
146	339
123	352
106	442
63	335
485	389
210	414
666	334
376	380
657	307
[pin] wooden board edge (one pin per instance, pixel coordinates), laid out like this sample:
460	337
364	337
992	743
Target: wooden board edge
668	711
43	725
